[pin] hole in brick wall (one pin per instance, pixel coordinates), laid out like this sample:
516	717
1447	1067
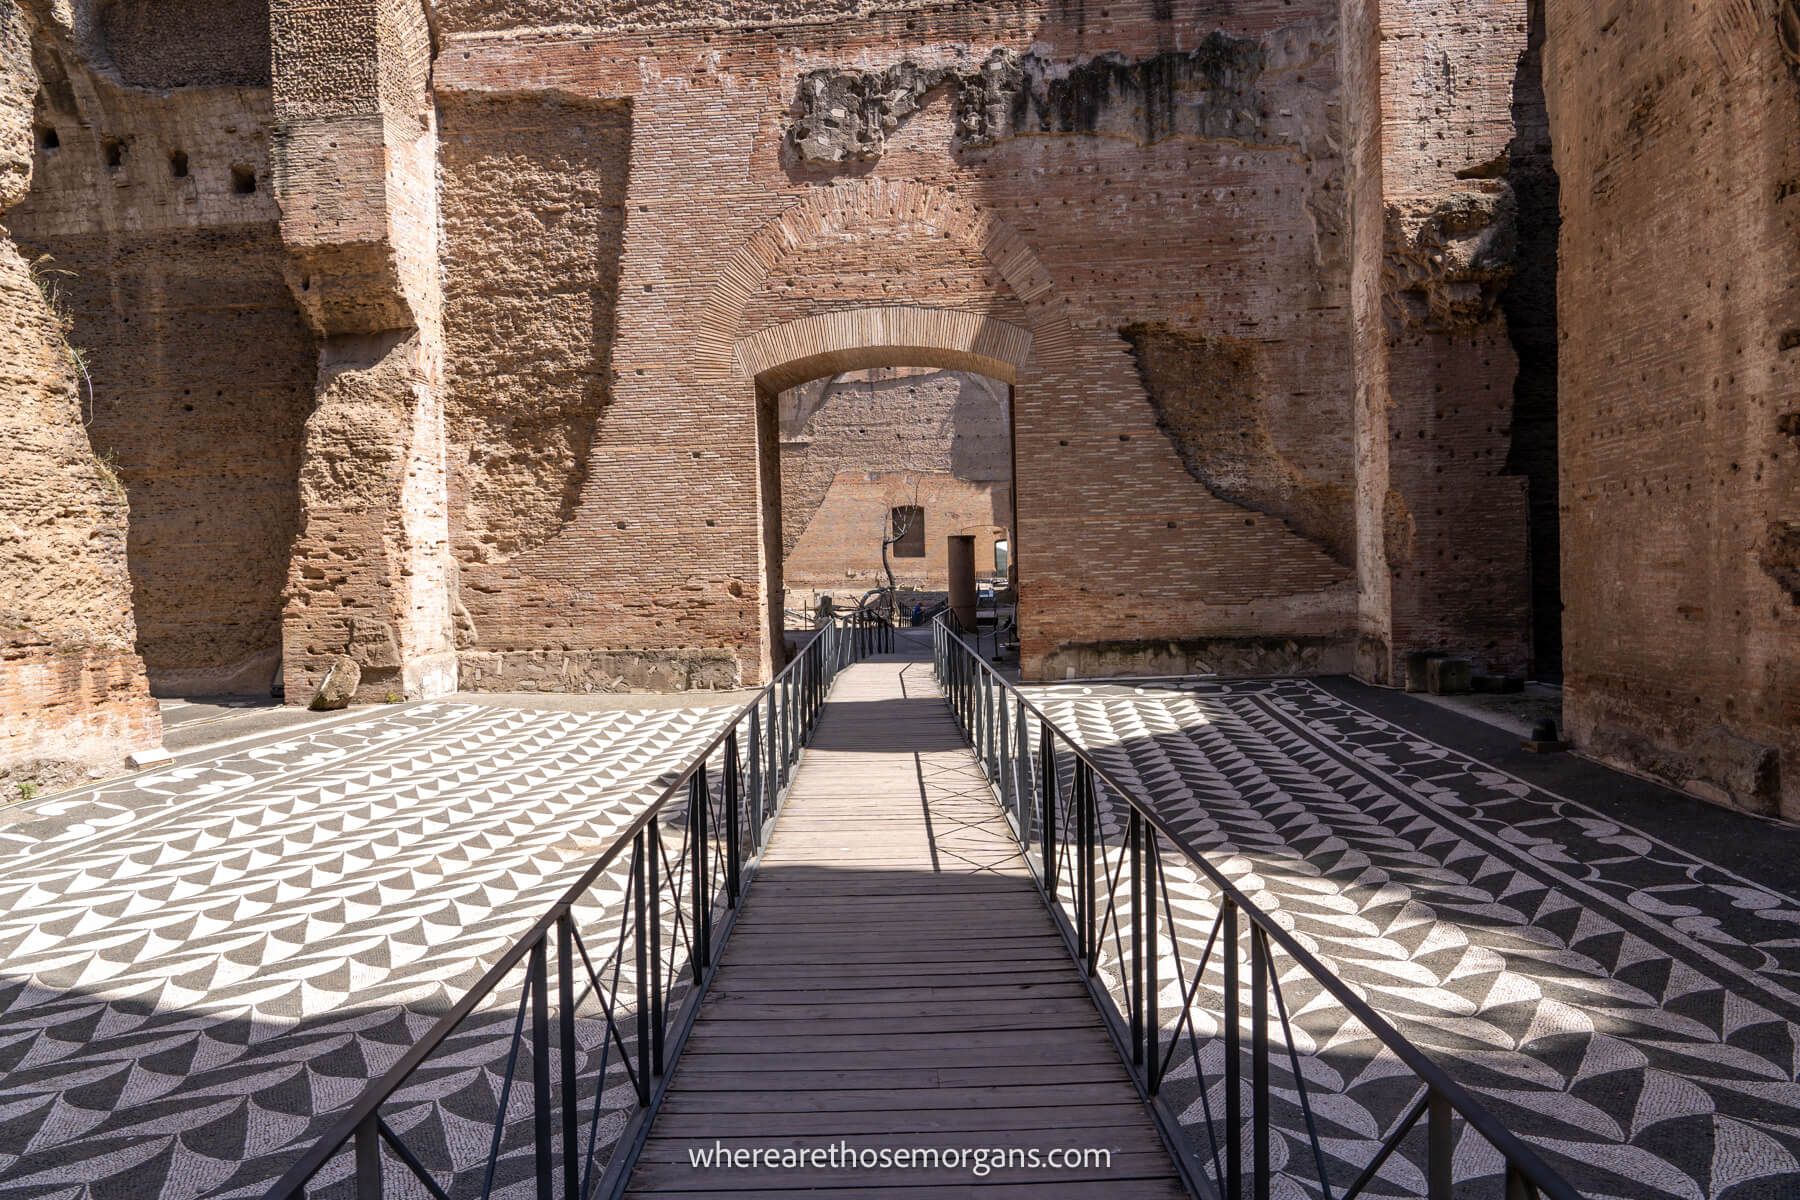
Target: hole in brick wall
243	180
115	153
178	164
48	139
908	531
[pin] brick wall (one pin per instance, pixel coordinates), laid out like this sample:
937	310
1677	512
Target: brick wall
855	447
1070	235
72	690
1680	306
1442	524
155	209
355	164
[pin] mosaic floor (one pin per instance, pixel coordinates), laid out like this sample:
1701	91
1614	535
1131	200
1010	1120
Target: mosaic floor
1632	1009
200	965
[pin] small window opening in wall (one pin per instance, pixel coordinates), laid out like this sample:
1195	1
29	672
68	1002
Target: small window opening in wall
115	154
178	164
243	180
908	531
49	139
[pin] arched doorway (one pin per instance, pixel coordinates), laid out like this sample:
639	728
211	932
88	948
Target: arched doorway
881	431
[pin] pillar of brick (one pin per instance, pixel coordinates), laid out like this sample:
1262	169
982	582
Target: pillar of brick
354	165
1441	527
1679	393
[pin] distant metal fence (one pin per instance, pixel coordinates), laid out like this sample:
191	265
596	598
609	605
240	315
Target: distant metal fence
1102	856
609	981
872	631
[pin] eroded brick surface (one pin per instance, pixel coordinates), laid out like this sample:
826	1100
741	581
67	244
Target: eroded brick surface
1674	138
452	338
73	695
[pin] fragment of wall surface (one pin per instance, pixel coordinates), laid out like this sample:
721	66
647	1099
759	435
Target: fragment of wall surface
1680	410
1069	234
150	194
73	695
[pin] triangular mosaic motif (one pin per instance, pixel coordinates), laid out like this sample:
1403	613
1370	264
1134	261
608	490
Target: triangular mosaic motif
1627	1007
201	966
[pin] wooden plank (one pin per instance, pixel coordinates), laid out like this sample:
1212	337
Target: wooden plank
1133	1189
939	992
908	1121
875	1043
654	1176
894	974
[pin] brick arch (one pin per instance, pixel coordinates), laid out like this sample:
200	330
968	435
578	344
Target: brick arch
786	355
845	209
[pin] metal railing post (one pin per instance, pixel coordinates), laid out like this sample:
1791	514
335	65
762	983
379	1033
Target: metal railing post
1234	1066
771	771
368	1158
1261	1181
639	907
697	805
1002	775
1090	929
1440	1146
1019	769
1048	784
658	1020
1133	838
565	1039
732	846
542	1142
758	811
1151	1008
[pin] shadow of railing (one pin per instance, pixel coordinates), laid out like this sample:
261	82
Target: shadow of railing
590	1007
1218	1056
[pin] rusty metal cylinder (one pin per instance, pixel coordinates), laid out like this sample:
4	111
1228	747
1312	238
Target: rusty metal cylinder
962	580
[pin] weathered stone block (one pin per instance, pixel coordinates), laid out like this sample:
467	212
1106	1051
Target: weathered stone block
1448	676
338	685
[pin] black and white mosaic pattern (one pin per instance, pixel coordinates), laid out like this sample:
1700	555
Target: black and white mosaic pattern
200	966
1629	1008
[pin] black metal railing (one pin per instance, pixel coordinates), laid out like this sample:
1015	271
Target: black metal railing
593	1003
1174	996
872	631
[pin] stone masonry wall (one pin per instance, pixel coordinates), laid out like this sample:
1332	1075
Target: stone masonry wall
1442	527
73	696
534	217
1680	399
854	447
1026	199
155	209
355	159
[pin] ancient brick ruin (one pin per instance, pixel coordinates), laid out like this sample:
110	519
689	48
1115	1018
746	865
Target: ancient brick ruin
464	337
906	457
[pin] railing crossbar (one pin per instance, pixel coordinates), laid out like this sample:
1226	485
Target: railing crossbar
732	788
613	1036
512	1062
409	1160
1389	1144
1005	727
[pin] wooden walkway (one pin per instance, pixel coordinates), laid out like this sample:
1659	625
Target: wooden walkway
894	982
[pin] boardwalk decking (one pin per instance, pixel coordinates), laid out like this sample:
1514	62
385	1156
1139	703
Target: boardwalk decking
894	982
